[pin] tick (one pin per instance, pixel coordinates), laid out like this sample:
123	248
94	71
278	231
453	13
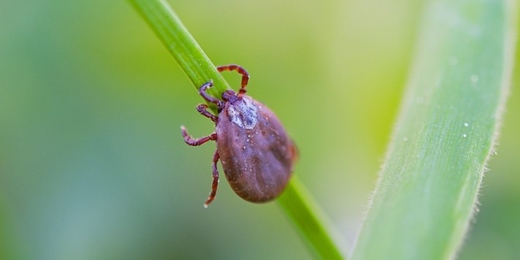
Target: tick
254	149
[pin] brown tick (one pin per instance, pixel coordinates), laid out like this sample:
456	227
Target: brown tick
256	153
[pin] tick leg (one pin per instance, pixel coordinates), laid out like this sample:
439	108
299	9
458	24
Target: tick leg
202	92
241	70
214	185
203	110
196	141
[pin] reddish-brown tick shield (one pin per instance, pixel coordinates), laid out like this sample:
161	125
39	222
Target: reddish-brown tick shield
256	153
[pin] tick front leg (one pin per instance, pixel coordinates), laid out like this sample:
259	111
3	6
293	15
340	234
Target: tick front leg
214	185
196	141
242	71
203	94
203	110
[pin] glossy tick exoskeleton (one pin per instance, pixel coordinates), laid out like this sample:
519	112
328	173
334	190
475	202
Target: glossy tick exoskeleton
256	153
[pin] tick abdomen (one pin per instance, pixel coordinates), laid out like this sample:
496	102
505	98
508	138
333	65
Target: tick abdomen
255	151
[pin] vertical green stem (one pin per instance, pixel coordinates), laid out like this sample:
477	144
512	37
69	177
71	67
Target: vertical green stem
169	28
309	220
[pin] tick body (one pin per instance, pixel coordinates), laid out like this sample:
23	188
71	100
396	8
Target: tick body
255	151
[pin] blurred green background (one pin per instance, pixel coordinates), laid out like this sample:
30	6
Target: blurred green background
93	166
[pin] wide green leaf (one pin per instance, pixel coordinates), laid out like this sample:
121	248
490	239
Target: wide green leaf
450	116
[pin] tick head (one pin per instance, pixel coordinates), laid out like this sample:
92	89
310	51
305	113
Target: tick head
230	96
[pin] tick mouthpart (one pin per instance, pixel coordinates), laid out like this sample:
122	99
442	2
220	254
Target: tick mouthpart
230	96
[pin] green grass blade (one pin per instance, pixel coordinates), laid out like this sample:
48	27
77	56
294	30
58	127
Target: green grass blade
193	61
297	204
308	219
448	124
